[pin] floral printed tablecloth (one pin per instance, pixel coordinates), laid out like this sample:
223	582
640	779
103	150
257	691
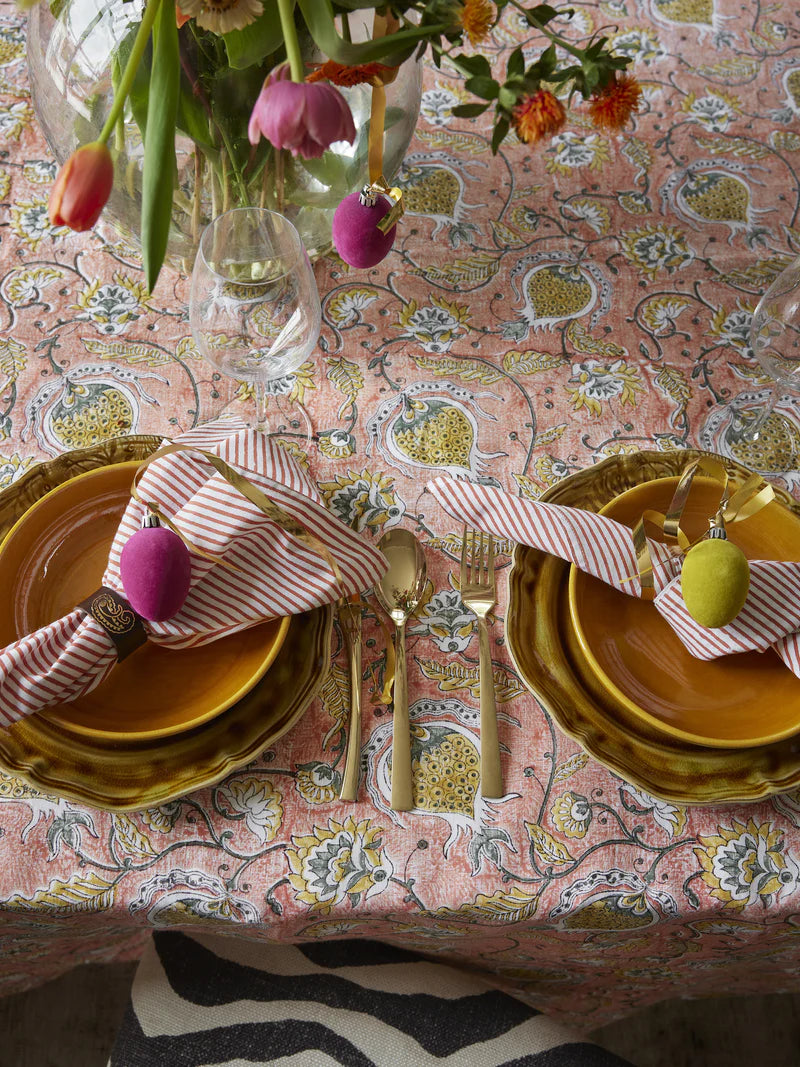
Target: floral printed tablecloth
543	309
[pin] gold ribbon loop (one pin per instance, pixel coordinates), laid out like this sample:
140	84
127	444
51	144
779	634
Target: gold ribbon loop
753	495
273	511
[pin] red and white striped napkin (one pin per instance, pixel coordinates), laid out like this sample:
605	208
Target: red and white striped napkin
604	548
275	574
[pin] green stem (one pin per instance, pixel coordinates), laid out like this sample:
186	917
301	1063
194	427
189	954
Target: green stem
290	40
126	81
346	28
554	37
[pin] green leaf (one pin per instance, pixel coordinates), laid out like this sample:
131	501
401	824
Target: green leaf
468	111
500	130
508	97
392	49
259	39
543	13
516	64
484	87
158	173
473	65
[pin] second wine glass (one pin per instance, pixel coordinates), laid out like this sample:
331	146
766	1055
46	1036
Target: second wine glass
254	305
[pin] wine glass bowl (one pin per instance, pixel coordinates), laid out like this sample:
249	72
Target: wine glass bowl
254	307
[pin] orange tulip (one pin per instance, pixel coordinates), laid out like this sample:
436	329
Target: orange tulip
82	187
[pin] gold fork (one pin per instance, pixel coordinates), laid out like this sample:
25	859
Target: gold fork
478	593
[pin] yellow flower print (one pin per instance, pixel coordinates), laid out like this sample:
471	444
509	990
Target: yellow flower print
715	110
337	444
256	800
344	307
363	500
550	470
436	325
113	306
337	861
656	249
31	223
162	818
569	151
11	467
747	864
317	783
5	184
595	382
571	814
15	119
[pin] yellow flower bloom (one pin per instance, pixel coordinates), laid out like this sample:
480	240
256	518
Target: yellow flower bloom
747	864
477	18
572	814
337	861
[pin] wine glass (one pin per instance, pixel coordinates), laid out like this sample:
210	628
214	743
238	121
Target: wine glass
254	307
775	343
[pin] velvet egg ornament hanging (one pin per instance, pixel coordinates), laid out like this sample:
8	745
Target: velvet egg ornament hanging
356	234
155	568
715	580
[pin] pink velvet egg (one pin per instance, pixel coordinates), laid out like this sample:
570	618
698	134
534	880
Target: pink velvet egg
355	231
155	568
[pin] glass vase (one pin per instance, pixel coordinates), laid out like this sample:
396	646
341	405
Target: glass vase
75	57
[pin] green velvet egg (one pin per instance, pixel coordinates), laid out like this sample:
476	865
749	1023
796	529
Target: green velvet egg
714	581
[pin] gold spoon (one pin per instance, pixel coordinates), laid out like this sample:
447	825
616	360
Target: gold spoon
399	593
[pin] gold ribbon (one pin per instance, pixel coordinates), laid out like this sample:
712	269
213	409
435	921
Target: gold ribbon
753	495
382	24
250	492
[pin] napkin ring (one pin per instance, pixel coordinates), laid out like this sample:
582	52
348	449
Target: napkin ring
113	612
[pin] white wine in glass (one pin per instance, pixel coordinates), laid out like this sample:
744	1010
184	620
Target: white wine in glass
254	305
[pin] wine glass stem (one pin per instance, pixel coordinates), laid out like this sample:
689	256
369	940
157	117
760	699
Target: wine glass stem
262	402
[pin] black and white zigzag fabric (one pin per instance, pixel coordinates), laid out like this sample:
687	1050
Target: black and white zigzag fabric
226	1002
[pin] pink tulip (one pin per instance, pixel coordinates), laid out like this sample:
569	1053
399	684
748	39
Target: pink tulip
305	118
82	187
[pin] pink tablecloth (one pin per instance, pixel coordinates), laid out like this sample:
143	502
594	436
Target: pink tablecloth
543	309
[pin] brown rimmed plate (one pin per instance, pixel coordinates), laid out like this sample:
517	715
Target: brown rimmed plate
549	658
131	776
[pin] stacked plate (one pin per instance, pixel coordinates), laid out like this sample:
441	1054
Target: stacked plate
165	721
615	676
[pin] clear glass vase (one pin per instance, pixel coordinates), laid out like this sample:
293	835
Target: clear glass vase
74	59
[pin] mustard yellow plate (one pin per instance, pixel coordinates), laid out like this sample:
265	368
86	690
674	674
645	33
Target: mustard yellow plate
732	702
134	775
551	662
54	557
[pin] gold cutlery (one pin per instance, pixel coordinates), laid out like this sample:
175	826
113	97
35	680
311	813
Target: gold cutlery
478	594
350	618
399	592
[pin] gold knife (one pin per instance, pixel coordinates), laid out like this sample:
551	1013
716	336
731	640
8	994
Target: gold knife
350	616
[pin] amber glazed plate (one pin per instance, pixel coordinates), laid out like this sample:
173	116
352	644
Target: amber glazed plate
135	775
54	557
732	702
549	658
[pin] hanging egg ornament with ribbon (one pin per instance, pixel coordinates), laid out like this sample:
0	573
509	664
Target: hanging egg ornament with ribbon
357	235
155	568
715	579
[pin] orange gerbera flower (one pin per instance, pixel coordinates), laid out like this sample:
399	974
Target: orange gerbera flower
477	18
538	116
611	108
339	74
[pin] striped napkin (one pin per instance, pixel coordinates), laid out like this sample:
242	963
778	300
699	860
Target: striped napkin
274	573
604	548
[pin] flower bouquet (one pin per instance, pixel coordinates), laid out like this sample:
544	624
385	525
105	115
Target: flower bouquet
255	88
